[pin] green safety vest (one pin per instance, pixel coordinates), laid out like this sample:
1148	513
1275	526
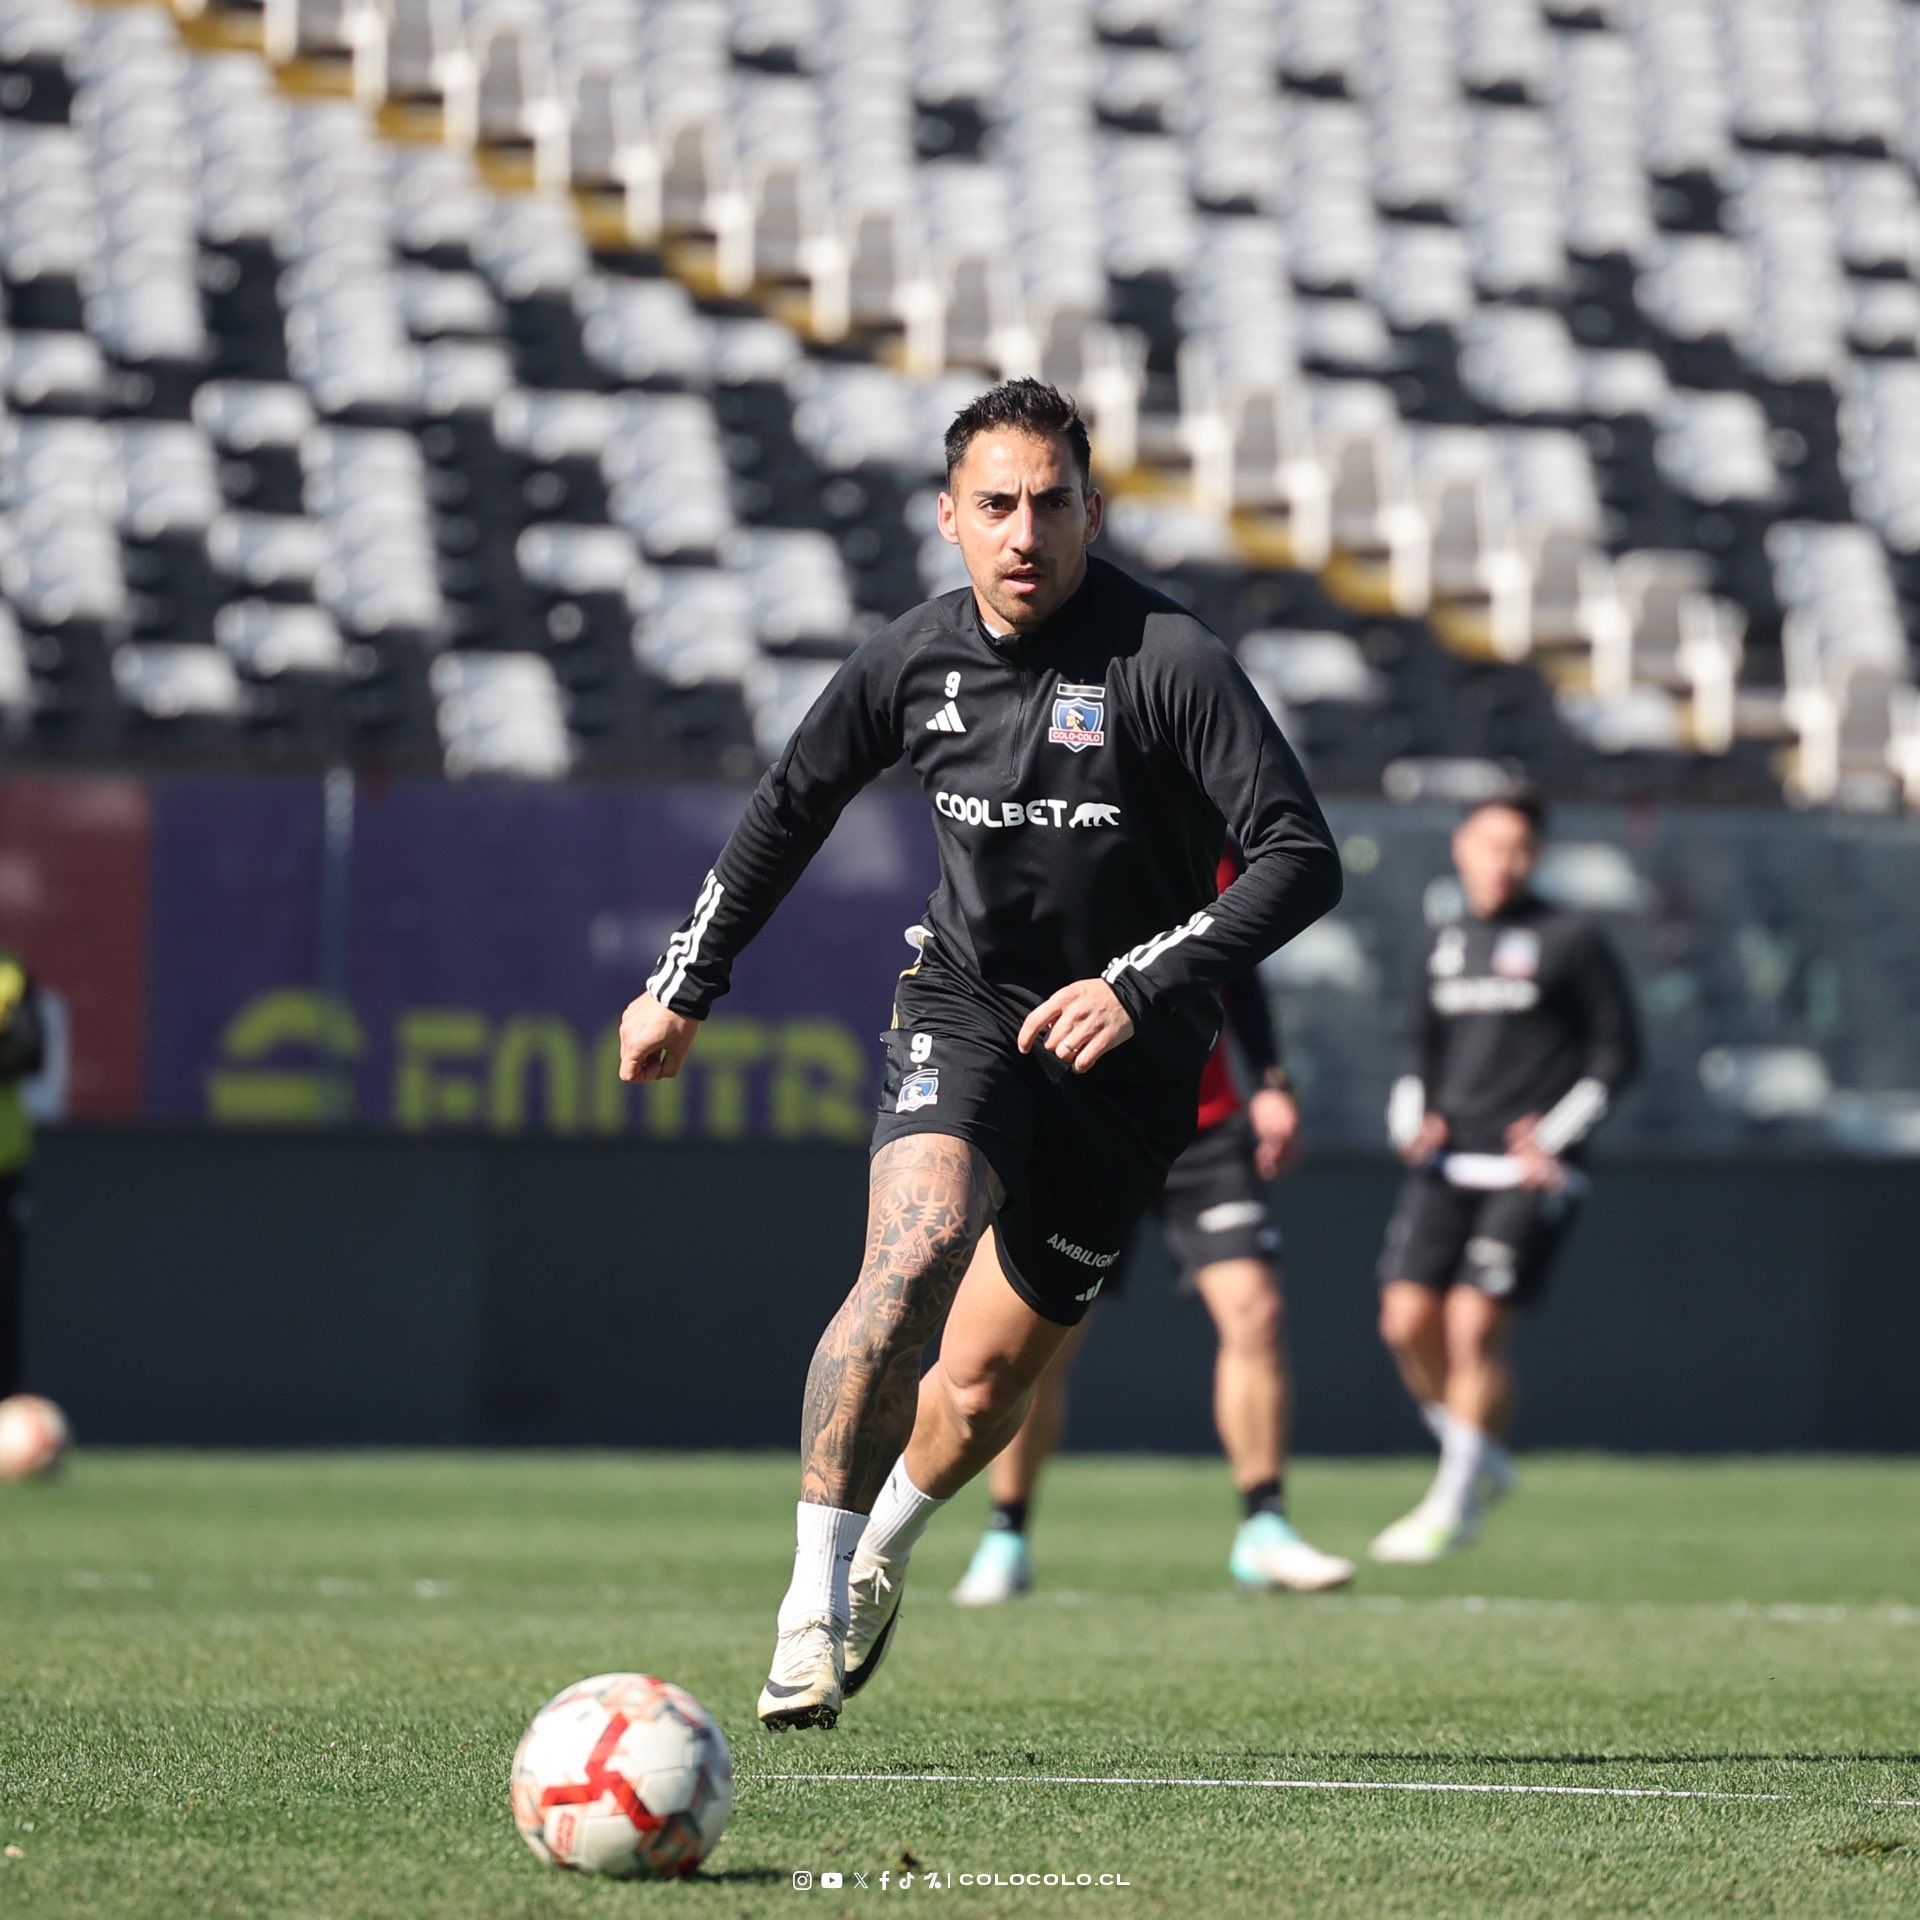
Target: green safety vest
16	1130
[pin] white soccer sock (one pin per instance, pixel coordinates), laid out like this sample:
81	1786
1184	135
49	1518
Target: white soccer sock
826	1539
900	1517
1435	1414
1463	1452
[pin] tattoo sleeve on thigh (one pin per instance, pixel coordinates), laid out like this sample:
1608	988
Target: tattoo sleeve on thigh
929	1199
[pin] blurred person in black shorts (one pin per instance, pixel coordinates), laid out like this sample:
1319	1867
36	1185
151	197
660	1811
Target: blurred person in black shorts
22	1051
1524	1035
1213	1212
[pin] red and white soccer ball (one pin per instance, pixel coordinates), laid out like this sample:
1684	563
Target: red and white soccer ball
624	1775
33	1436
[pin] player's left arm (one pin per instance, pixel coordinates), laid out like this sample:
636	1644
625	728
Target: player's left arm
1226	738
1270	1103
1597	985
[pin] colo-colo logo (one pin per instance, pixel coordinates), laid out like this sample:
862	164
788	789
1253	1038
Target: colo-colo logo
974	812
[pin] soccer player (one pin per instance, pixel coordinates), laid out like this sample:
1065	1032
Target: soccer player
1084	744
1524	1035
1215	1219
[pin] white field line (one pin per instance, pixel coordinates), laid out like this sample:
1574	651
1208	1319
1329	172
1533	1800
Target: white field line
1786	1613
1279	1786
1789	1613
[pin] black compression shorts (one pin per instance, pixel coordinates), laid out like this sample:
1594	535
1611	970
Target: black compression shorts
1503	1242
1082	1156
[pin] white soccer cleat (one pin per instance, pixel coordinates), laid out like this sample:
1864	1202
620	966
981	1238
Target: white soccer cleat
1268	1553
873	1601
1429	1533
1001	1570
806	1683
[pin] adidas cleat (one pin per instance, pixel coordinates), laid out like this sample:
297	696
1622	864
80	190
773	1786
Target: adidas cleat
1001	1570
873	1596
804	1689
1268	1553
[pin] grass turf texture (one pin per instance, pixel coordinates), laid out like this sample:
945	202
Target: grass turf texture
291	1686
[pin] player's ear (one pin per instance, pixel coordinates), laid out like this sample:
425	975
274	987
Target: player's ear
945	514
1096	509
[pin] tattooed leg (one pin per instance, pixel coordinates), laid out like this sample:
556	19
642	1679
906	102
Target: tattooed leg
929	1199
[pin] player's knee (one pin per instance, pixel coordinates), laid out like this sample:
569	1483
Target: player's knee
982	1391
1406	1317
1476	1338
1251	1322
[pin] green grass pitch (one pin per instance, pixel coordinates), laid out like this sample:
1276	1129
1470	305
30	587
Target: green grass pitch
263	1686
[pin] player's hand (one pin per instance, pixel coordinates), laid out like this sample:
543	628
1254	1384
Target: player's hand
1539	1170
653	1042
1429	1141
1276	1131
1081	1023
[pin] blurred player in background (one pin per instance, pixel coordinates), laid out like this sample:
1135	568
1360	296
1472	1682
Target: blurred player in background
1524	1035
1214	1215
1084	745
22	1050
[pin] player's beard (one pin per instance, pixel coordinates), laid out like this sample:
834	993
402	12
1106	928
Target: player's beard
1021	611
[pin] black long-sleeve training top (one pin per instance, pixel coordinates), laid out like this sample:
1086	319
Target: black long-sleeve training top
1527	1011
1081	777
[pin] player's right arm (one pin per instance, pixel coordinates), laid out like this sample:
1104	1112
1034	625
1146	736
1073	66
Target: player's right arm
1417	1132
849	735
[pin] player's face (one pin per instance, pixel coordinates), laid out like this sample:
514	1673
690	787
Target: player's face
1023	520
1493	851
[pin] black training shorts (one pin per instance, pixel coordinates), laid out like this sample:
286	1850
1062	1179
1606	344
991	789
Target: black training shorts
1503	1242
1213	1206
1082	1156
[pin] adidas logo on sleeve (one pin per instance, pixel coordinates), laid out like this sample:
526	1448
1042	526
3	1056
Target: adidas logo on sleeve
947	720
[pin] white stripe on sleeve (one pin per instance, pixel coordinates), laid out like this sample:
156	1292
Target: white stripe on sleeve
1406	1108
684	948
1576	1115
1148	951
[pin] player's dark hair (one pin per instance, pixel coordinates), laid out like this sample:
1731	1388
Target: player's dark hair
1528	802
1021	406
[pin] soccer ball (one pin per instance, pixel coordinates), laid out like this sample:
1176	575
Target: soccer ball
33	1436
624	1775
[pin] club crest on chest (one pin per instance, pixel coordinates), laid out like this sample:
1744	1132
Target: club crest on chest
1079	717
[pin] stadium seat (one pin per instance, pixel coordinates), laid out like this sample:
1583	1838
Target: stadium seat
265	639
16	679
165	681
501	713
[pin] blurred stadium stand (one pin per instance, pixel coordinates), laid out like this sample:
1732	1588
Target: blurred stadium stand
536	389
